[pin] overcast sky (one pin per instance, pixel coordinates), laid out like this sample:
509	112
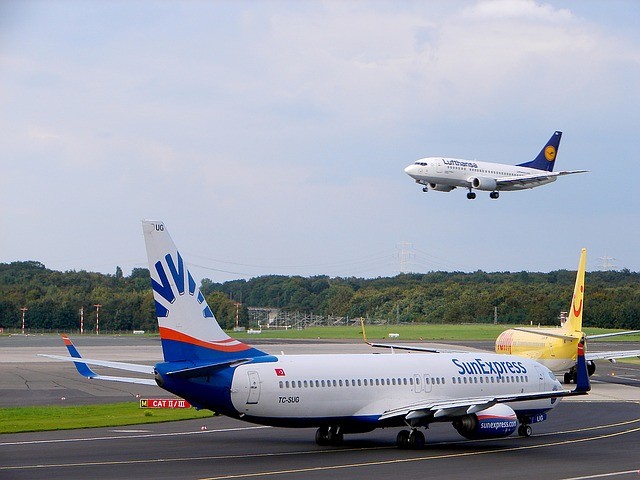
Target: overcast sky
271	136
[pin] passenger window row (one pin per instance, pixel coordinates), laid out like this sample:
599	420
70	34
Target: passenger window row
360	382
505	379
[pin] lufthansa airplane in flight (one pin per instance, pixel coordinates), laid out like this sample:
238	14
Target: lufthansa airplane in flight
444	174
483	395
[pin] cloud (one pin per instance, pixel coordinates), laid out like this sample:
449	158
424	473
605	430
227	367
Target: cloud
296	118
516	9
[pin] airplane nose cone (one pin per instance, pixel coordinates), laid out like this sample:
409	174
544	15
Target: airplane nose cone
412	170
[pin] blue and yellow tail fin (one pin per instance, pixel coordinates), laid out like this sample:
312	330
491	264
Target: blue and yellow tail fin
546	159
188	329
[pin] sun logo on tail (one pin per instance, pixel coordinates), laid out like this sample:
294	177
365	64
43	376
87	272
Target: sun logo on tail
550	153
577	311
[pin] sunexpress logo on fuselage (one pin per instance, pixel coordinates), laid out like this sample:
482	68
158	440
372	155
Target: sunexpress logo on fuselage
183	282
480	367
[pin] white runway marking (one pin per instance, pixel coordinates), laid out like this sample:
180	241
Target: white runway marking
120	437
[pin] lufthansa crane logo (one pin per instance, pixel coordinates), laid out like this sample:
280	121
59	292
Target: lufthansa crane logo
550	153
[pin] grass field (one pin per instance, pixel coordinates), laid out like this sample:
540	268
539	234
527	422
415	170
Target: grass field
36	419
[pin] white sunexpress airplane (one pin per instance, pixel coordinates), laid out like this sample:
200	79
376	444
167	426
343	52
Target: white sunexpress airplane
484	395
445	174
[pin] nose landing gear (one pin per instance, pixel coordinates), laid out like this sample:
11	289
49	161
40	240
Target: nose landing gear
331	435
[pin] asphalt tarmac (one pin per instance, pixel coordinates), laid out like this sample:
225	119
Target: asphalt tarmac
579	440
26	379
597	436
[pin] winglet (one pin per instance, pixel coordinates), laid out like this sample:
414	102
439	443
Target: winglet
582	383
364	332
83	368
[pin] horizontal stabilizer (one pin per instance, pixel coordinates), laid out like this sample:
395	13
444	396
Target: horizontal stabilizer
130	367
204	370
82	365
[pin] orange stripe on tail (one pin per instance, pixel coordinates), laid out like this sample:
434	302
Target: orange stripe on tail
227	345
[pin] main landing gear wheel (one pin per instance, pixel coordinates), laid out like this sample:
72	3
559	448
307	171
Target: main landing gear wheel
425	189
525	430
413	440
471	195
494	195
329	436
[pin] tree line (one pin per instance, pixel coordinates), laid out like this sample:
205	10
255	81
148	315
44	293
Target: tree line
54	298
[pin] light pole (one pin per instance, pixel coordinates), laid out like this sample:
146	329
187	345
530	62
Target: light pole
237	315
23	309
97	305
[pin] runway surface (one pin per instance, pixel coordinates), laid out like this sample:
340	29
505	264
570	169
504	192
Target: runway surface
595	437
580	440
26	379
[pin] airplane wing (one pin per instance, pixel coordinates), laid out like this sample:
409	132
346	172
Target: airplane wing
534	180
414	412
611	356
463	406
82	365
415	348
410	348
603	335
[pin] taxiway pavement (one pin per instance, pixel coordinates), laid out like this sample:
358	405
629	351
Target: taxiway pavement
597	436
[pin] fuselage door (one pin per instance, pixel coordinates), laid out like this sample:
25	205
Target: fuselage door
540	379
254	387
417	383
438	166
427	383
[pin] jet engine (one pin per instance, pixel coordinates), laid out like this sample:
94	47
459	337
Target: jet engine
494	422
483	183
440	188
